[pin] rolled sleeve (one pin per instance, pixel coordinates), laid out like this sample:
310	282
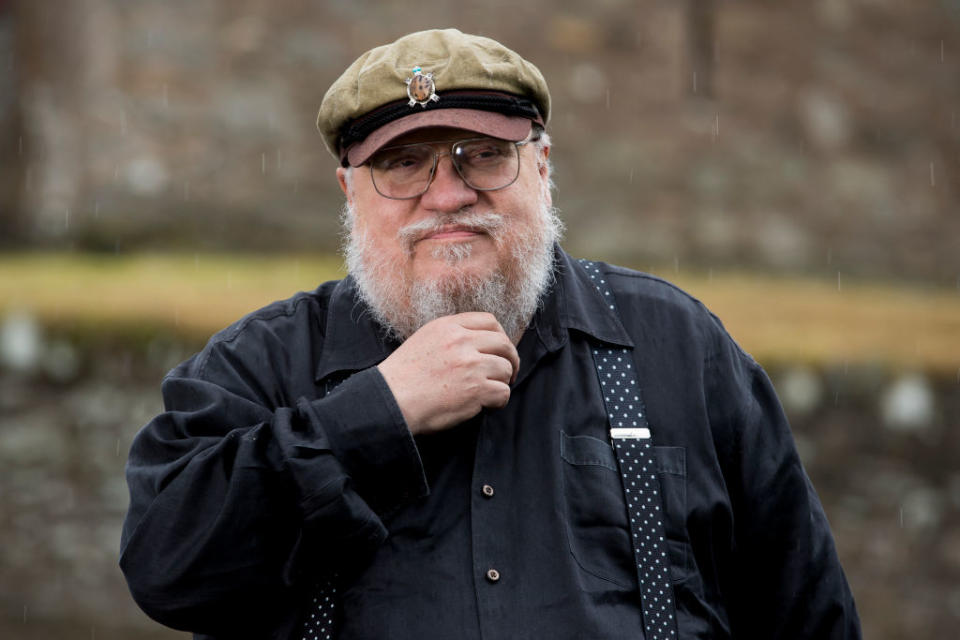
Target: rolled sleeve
366	432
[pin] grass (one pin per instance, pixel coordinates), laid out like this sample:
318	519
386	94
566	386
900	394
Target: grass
777	319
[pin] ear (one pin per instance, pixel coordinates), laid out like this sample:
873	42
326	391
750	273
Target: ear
542	165
342	180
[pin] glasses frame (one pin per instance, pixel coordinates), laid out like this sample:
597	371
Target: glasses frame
533	137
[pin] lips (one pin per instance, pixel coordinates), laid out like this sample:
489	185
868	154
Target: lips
451	232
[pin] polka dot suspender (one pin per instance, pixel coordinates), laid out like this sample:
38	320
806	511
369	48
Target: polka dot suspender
320	622
631	439
630	435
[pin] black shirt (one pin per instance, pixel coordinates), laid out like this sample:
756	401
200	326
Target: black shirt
255	481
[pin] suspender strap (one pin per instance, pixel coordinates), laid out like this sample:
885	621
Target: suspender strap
631	439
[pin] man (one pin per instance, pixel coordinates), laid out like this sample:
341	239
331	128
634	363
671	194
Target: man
423	450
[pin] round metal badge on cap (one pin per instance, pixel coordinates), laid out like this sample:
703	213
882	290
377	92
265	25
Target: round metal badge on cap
420	88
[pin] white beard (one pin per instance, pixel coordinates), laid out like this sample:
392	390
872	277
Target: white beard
512	293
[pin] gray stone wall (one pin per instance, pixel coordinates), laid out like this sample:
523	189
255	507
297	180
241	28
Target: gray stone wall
880	447
829	141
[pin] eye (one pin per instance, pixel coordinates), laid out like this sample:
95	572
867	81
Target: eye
483	152
403	160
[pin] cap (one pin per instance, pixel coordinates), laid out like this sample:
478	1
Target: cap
435	78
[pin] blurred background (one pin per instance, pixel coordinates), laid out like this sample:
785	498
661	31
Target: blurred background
794	164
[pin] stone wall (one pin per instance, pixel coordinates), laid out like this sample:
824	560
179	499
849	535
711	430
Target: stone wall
830	139
879	446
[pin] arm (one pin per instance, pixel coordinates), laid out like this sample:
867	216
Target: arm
234	503
784	579
241	490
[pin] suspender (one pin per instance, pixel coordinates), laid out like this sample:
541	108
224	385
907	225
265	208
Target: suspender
630	435
631	439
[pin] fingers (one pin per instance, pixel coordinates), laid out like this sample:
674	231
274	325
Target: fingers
478	320
498	343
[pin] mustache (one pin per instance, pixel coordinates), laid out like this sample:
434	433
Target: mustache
489	223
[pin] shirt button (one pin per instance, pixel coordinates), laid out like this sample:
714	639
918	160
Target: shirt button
493	575
487	491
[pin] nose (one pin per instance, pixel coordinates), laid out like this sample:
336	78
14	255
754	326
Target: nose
447	192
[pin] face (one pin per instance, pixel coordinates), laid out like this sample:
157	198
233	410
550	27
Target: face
450	241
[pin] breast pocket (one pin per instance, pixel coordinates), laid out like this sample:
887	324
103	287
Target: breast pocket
597	522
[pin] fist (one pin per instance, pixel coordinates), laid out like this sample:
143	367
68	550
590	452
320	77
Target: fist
450	369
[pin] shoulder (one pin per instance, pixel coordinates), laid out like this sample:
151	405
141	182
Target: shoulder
279	327
653	308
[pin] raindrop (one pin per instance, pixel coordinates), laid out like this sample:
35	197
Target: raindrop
694	81
716	128
66	218
116	172
933	181
96	210
631	175
941	51
901	517
20	146
118	447
839	286
263	163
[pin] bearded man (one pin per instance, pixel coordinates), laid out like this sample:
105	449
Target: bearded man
473	435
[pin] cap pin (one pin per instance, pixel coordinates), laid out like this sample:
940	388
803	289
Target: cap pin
421	88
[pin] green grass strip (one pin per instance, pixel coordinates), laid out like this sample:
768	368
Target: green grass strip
777	319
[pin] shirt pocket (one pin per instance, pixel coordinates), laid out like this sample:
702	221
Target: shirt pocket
597	524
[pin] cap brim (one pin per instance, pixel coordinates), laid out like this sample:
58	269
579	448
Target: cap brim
488	123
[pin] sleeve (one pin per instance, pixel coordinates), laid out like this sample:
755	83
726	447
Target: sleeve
784	580
234	505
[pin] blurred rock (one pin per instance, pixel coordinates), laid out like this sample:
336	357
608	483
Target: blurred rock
61	361
922	509
800	390
146	175
588	84
908	404
21	341
826	120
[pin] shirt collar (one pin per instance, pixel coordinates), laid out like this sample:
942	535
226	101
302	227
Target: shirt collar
574	302
353	340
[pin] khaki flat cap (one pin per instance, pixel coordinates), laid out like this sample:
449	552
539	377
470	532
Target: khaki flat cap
436	78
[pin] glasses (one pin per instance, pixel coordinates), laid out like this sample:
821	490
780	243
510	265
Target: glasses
485	164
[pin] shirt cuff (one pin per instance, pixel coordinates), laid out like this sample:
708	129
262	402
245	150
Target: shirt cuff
366	432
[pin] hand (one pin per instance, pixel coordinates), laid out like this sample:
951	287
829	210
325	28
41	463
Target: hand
450	369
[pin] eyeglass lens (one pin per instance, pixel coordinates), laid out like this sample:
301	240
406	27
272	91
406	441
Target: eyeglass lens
406	171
